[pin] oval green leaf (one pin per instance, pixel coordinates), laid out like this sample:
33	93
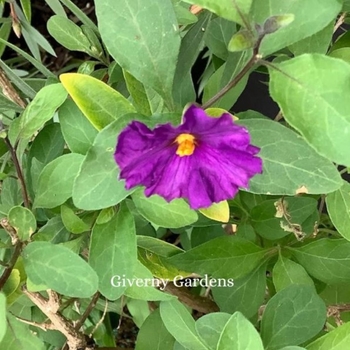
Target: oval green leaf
316	109
326	259
292	316
338	205
226	256
148	52
155	209
115	241
290	165
23	220
55	184
100	103
59	269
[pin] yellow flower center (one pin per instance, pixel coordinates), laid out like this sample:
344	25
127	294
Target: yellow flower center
186	144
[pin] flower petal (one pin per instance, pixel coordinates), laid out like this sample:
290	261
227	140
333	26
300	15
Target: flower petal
222	161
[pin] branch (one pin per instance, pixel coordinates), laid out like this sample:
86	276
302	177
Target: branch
87	311
18	171
249	65
196	302
75	339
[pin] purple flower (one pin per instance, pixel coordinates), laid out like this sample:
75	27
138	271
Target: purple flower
204	159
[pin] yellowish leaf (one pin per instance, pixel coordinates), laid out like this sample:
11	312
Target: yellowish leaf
217	211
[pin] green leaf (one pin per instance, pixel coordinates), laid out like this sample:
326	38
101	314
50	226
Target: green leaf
16	80
292	316
287	272
153	253
55	184
23	221
11	285
290	166
76	129
97	185
113	252
326	124
148	52
181	325
56	7
183	14
5	31
316	43
303	26
337	339
326	259
338	205
48	144
19	336
37	64
138	93
210	326
242	40
80	14
246	296
8	105
239	334
2	316
191	45
233	10
54	231
342	53
155	209
59	269
226	256
27	9
218	35
41	109
72	222
10	192
100	103
146	291
153	334
68	34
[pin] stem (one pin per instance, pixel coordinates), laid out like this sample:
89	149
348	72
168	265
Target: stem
340	21
19	172
253	60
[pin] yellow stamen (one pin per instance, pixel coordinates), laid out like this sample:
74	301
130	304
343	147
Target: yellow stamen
186	144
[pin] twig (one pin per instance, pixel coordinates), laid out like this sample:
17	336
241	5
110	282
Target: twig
279	116
84	316
44	326
9	91
252	61
322	203
339	22
101	319
18	171
121	311
87	311
196	302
